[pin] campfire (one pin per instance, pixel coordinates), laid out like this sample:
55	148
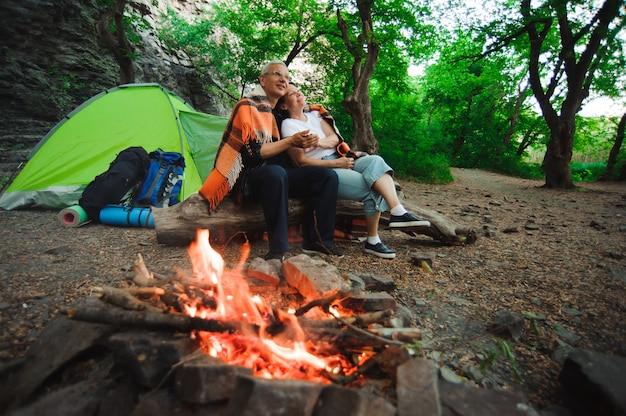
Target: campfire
216	306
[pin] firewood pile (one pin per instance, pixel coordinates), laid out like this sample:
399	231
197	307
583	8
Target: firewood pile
170	344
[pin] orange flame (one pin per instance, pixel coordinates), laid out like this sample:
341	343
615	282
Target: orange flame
278	356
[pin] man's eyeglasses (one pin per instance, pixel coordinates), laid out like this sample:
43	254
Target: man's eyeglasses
279	74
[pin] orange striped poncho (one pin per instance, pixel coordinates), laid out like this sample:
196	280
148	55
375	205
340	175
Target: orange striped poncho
251	124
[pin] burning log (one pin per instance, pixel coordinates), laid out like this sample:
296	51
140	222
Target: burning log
324	303
364	319
177	225
329	340
148	319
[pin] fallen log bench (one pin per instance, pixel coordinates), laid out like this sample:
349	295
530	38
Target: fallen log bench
177	225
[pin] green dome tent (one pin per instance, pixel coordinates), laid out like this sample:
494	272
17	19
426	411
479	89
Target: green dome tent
85	142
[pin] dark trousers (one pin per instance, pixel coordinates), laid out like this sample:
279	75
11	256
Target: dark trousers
274	184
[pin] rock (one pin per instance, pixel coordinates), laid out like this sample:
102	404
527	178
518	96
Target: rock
378	282
207	380
148	356
509	323
369	302
63	340
466	400
564	333
266	271
313	277
424	260
57	47
257	396
594	383
417	383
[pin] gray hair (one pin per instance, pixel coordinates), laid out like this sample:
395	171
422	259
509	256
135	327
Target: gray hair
266	68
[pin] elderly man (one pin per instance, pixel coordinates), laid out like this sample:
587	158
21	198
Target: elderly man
252	163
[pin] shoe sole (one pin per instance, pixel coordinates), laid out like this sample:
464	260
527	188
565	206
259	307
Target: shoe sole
328	253
381	255
409	224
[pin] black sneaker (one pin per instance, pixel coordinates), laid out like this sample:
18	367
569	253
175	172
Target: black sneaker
407	220
275	256
379	250
315	248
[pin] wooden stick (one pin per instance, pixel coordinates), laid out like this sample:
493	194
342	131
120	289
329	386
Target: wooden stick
150	320
323	303
399	334
142	277
123	298
367	333
377	317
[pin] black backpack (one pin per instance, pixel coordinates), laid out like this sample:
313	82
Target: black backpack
125	173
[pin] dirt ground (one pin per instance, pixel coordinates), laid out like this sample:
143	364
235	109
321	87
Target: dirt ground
558	258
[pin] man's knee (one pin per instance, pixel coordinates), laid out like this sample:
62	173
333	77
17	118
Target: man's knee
329	175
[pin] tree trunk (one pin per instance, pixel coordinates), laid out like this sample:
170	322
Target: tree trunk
460	141
556	162
514	118
617	146
357	104
117	41
359	107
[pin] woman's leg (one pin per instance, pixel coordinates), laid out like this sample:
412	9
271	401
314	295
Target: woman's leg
387	189
371	225
378	174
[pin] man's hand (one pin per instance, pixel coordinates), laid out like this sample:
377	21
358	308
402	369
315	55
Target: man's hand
305	139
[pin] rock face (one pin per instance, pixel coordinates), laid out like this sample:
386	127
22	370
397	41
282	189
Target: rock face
54	58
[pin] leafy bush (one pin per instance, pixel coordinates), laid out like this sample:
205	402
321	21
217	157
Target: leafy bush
587	172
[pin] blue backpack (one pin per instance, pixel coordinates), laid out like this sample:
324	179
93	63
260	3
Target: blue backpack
163	181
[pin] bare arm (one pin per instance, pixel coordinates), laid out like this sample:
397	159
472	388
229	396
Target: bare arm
299	159
300	140
331	140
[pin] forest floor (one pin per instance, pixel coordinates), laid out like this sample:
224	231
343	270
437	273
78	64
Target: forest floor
555	257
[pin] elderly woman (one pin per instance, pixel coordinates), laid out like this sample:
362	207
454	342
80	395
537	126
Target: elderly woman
362	177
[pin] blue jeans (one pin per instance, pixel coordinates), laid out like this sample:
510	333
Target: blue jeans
274	184
356	184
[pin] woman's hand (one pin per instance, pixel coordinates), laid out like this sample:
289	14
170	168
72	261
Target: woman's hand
345	163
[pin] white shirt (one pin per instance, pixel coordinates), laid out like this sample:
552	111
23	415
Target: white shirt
313	123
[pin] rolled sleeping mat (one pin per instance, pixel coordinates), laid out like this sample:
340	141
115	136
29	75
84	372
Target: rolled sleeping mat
126	216
73	216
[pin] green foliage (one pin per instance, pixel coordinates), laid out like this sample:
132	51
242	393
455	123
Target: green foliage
236	37
66	82
587	172
457	114
493	353
405	143
522	169
593	138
